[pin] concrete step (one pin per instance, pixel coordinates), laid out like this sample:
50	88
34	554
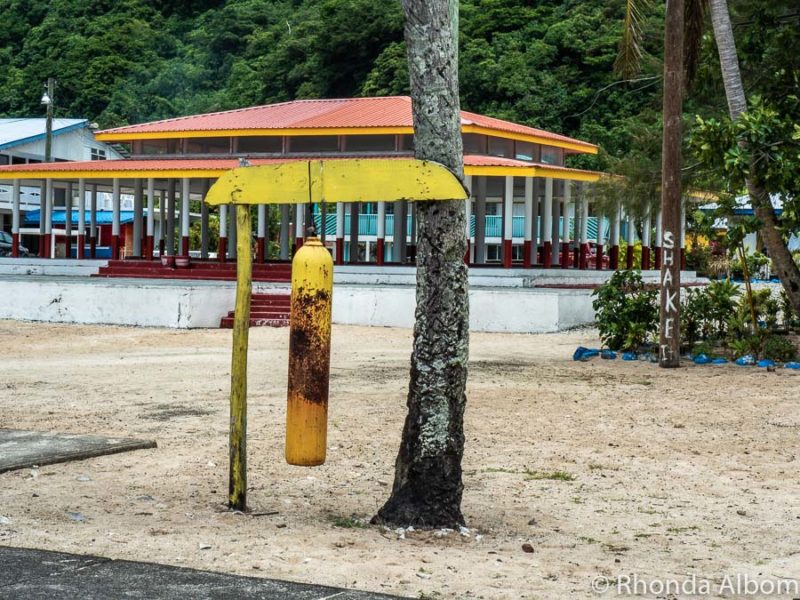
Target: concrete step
227	322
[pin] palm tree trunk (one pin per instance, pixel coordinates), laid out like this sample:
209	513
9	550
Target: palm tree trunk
782	260
427	486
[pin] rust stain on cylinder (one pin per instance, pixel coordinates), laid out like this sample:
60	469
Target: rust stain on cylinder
309	355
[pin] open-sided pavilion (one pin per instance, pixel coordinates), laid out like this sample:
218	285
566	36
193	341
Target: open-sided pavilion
526	207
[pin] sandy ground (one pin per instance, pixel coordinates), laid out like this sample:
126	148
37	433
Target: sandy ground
673	474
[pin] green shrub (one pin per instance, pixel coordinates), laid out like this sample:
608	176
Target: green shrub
777	347
705	312
626	312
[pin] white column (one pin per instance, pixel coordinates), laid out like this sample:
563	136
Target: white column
223	220
565	212
262	220
615	225
151	207
138	210
629	226
185	191
93	214
15	215
299	220
162	217
529	209
584	221
115	205
646	229
508	208
380	225
547	216
48	223
81	218
658	228
340	208
683	225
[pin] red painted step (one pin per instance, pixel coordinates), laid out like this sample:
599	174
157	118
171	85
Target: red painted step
266	310
197	269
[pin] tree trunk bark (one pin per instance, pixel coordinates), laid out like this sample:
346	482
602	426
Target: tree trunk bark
759	198
428	487
669	335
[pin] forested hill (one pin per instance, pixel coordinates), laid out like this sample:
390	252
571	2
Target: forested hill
546	63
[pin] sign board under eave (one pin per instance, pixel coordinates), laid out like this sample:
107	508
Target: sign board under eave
348	180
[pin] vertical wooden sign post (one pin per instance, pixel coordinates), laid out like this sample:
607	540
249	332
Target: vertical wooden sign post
669	334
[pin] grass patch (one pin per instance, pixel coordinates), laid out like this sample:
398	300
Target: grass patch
348	522
588	540
682	529
615	548
551	475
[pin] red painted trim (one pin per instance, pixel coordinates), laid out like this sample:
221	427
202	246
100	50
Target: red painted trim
380	251
507	249
613	258
565	255
527	261
92	247
340	251
79	248
15	245
683	259
148	242
547	255
584	257
576	258
658	258
629	258
298	243
115	247
598	258
222	249
645	258
261	250
185	246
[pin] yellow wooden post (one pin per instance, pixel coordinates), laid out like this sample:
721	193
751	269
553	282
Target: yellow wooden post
309	355
237	483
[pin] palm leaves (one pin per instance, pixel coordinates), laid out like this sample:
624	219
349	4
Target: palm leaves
629	59
631	47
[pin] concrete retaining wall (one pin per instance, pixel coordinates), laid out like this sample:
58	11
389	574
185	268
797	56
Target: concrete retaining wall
107	301
501	310
47	266
192	304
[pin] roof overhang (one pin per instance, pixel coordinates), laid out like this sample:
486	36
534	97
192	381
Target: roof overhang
129	169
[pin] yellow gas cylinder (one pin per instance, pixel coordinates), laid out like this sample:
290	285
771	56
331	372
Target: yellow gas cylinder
309	355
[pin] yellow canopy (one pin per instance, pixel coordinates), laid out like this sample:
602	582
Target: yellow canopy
339	180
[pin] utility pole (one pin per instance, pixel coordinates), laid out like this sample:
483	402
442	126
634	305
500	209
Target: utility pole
49	99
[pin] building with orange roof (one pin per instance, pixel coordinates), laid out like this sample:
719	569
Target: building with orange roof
523	211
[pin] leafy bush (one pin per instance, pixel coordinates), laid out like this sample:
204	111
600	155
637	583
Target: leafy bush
706	311
777	347
626	312
757	266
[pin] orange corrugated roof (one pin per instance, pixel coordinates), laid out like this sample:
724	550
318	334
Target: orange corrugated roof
366	113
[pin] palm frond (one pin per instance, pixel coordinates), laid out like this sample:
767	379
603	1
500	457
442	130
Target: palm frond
629	58
694	22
